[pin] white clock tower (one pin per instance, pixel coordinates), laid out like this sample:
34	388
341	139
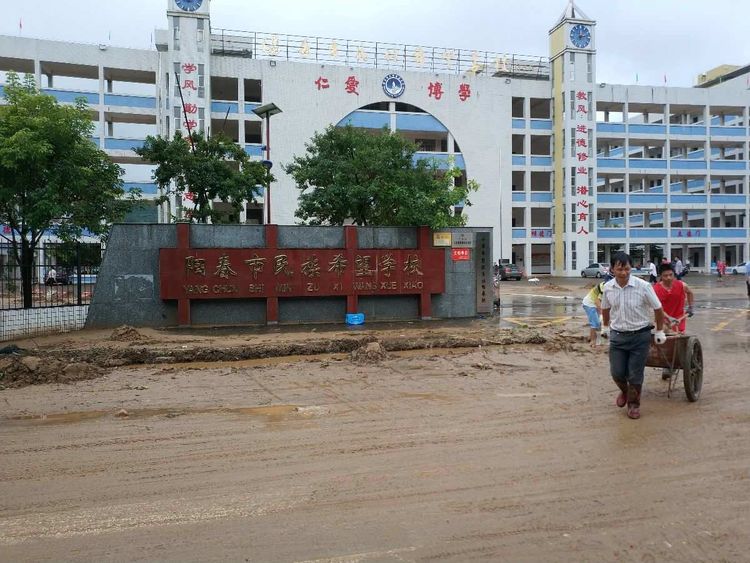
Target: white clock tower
185	81
573	58
188	85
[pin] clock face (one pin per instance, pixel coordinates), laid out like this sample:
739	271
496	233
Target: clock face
189	5
580	35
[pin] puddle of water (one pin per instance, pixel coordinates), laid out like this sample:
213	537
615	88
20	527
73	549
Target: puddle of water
272	413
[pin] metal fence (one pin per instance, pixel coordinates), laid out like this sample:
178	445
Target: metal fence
73	266
369	54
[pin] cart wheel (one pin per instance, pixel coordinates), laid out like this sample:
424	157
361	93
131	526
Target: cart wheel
692	369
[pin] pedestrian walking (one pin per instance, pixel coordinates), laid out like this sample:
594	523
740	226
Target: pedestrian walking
651	271
628	305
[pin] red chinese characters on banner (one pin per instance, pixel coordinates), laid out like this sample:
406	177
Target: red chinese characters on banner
322	83
464	92
581	179
435	90
351	85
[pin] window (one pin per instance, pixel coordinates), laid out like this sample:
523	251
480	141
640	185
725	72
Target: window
572	66
590	68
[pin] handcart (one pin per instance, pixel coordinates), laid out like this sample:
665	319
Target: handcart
680	353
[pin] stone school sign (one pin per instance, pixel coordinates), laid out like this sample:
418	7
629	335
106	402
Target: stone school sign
270	273
165	275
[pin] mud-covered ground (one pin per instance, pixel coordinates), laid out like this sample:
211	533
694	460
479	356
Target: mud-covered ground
411	442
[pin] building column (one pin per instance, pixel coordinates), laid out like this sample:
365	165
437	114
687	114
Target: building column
392	115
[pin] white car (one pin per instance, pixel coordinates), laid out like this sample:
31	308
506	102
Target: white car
738	269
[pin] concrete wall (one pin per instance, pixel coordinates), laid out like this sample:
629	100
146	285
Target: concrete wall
127	289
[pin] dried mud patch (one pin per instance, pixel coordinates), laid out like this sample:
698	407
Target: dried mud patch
66	365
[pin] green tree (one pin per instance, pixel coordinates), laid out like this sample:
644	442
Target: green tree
209	169
351	175
52	177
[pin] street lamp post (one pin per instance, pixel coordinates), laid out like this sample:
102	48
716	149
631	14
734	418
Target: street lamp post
265	112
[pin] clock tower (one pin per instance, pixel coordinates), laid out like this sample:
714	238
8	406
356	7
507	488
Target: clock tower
187	86
573	71
185	81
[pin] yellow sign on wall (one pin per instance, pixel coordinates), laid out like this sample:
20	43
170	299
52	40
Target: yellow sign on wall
442	239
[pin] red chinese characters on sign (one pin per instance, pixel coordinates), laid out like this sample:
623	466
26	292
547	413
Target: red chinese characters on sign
191	273
189	68
435	90
580	182
322	83
541	233
688	233
351	85
191	124
464	92
189	84
191	108
461	254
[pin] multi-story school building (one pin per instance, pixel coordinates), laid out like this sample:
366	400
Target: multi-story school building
570	169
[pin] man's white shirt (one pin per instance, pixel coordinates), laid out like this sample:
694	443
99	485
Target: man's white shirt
631	307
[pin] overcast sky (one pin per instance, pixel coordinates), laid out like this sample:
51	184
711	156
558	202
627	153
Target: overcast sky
650	38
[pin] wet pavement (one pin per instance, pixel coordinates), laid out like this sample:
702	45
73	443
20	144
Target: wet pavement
722	308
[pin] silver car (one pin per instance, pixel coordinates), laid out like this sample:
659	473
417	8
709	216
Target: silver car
595	270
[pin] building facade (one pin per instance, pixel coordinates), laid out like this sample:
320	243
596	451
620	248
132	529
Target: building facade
570	169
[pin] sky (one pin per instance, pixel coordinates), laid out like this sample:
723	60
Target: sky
647	39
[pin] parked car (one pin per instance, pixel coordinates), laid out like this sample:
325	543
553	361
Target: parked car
595	270
510	272
738	269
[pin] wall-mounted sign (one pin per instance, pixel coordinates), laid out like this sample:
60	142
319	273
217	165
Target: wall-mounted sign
441	239
393	85
463	240
461	254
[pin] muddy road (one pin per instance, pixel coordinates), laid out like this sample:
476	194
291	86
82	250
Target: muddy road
504	452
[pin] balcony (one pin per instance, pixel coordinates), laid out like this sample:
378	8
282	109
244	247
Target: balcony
71	96
613	198
442	159
541	197
144	102
648	199
610	162
518	196
650	163
419	122
224	107
695	199
541	124
728	131
519	160
519	233
519	123
604	127
367	119
688	164
728	165
608	233
115	144
649	233
254	149
729	233
687	130
728	199
646	129
541	160
147	188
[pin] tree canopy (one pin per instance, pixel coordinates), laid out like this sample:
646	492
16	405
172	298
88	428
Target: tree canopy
206	170
53	178
352	175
